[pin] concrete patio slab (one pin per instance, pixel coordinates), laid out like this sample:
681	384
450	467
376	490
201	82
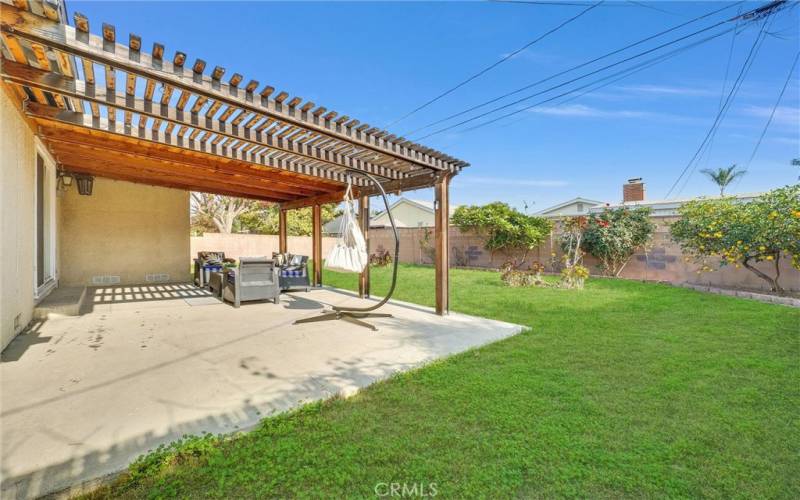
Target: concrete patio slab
83	396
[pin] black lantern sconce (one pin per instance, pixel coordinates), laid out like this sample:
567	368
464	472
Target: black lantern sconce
64	180
85	183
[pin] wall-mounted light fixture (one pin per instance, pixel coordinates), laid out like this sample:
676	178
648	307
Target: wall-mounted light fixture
64	180
85	183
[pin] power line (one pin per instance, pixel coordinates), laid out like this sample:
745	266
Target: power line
494	65
518	101
625	73
728	100
628	72
555	3
772	114
729	103
587	63
722	91
652	7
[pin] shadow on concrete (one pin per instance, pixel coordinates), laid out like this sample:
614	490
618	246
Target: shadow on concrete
125	294
27	338
292	301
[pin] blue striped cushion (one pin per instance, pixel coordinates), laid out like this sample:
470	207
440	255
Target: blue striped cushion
293	273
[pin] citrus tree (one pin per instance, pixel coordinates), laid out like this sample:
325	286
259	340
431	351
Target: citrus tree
742	234
507	230
614	235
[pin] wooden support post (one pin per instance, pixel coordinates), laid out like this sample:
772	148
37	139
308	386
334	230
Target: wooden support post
363	219
442	243
282	238
316	243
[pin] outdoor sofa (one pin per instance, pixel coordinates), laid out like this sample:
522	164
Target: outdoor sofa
293	270
205	264
256	278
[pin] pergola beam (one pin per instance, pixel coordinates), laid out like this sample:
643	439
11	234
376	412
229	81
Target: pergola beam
363	221
64	152
442	243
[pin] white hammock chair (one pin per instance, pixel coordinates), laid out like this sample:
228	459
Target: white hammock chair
349	254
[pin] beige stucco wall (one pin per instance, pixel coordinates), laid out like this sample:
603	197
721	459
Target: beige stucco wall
254	245
17	181
126	230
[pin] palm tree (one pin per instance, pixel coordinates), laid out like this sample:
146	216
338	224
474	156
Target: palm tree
723	176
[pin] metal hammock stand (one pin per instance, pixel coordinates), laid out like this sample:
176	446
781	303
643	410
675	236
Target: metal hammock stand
355	315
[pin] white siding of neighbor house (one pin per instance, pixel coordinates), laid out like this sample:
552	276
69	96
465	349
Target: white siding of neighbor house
406	215
573	209
17	224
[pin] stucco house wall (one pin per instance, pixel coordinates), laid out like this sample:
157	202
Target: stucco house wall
136	232
17	182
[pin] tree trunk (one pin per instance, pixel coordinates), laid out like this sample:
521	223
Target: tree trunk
773	282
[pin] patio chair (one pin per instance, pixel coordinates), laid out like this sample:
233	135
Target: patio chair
256	278
293	271
205	264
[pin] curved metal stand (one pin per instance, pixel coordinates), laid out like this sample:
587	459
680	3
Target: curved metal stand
356	314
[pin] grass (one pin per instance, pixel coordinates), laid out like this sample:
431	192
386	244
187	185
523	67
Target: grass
624	389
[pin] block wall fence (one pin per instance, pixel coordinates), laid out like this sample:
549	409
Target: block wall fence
663	261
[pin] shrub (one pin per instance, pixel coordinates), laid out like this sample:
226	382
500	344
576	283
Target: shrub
507	230
570	238
741	234
517	278
380	258
615	234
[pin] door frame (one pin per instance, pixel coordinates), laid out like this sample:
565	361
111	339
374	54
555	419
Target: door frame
51	282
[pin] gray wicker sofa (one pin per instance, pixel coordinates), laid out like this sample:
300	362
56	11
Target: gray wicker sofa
293	270
256	278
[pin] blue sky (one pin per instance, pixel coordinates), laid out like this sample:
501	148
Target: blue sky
378	61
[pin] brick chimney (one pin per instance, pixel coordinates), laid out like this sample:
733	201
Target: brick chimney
633	190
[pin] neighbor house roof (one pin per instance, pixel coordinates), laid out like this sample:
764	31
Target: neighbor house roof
191	125
421	204
555	208
670	206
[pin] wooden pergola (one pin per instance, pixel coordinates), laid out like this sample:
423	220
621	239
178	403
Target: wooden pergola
114	110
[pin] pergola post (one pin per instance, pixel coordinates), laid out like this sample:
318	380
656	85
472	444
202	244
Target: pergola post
442	243
363	218
282	235
316	243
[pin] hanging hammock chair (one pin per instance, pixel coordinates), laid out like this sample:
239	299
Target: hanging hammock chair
350	254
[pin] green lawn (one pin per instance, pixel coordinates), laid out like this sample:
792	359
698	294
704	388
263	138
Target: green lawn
623	389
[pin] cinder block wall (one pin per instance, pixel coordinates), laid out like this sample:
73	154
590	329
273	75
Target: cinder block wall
123	229
664	260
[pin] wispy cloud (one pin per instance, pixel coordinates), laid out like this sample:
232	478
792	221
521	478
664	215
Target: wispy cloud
584	111
792	141
669	90
581	110
785	115
493	181
531	56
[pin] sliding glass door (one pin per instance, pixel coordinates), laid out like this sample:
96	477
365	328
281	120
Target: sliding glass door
45	225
